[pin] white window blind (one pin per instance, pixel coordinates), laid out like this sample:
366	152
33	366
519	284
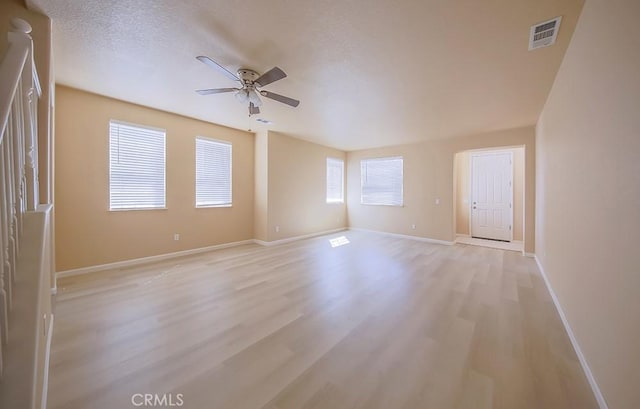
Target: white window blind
381	181
213	173
136	167
335	180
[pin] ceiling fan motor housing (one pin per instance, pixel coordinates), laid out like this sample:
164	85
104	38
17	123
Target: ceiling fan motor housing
247	76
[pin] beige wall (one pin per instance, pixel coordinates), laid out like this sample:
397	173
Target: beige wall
588	209
463	193
429	175
297	174
277	181
88	234
261	196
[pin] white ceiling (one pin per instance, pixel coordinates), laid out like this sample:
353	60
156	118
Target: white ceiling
368	73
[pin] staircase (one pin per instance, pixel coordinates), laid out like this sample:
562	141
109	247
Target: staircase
26	235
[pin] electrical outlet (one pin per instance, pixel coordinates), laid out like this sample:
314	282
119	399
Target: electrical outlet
438	201
277	229
176	237
413	226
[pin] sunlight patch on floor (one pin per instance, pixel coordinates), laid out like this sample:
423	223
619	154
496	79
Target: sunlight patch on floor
513	246
339	241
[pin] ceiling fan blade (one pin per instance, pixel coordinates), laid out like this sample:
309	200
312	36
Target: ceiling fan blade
253	109
218	67
270	76
280	98
215	90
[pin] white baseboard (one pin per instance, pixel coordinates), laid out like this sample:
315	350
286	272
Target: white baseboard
583	362
143	260
296	238
405	236
160	257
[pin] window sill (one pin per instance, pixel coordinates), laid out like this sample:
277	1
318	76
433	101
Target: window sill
213	206
138	209
381	204
335	201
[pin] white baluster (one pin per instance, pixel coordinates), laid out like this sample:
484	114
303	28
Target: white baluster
31	147
5	268
17	166
1	355
13	177
5	283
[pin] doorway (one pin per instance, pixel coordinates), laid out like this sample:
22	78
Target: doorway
489	197
491	212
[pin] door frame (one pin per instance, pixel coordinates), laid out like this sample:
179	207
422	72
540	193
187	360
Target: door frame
483	152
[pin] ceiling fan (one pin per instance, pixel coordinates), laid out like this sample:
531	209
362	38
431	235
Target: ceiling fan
250	82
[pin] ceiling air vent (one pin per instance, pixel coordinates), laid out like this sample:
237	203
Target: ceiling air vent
544	34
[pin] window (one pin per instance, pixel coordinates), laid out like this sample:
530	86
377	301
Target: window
335	180
213	173
381	181
136	167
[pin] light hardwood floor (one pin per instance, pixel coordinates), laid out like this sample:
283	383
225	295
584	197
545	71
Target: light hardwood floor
381	322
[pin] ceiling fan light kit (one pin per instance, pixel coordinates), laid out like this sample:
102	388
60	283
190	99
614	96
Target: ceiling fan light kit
250	82
253	97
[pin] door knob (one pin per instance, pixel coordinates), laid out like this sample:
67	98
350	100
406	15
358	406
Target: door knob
474	207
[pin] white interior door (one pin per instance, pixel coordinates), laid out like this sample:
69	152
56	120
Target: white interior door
491	195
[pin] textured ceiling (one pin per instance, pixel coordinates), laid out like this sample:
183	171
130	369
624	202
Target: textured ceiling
369	73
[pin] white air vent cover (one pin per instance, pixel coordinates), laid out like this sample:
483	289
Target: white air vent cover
544	34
